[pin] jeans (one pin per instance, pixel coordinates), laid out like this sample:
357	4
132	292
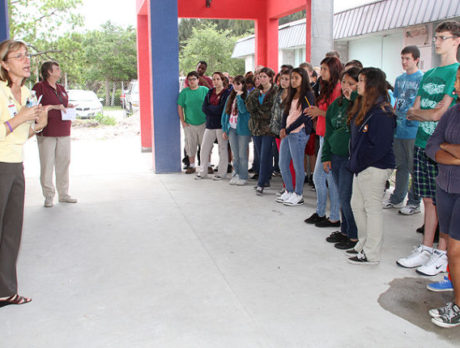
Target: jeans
293	147
239	145
263	147
404	156
319	178
344	182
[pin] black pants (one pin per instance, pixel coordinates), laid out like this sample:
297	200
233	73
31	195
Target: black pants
11	217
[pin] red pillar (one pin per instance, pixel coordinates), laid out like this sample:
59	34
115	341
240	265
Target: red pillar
308	31
145	81
267	42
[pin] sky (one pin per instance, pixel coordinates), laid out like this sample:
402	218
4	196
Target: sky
123	12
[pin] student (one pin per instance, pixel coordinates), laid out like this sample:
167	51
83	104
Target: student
444	147
295	130
324	182
213	106
372	124
335	157
235	120
192	117
405	91
203	80
435	95
278	112
259	104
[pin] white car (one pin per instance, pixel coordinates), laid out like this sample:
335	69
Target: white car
87	103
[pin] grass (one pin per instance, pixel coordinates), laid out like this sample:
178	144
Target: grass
112	108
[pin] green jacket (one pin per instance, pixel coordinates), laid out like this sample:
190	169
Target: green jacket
337	137
277	113
259	123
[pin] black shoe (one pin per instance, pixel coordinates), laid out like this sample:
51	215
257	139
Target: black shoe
352	252
315	218
251	170
255	176
229	168
421	229
337	237
327	223
348	244
361	259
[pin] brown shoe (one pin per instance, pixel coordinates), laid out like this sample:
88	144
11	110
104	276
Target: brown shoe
190	170
210	170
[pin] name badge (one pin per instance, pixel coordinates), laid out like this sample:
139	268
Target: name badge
12	110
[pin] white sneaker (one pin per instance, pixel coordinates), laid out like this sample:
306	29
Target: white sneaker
418	257
387	204
294	200
435	265
284	197
234	180
409	210
241	182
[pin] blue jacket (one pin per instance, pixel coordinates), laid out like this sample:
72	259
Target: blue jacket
242	127
214	112
371	143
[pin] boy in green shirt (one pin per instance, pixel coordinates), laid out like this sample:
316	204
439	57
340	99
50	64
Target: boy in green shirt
192	118
434	97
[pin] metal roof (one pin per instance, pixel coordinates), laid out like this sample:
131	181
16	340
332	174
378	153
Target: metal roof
366	19
392	14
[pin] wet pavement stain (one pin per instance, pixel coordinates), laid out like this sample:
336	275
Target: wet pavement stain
409	299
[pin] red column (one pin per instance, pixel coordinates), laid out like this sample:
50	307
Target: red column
145	82
267	42
308	31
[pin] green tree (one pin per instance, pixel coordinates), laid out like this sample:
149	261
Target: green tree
215	47
110	57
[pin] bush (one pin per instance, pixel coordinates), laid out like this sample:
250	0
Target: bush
105	120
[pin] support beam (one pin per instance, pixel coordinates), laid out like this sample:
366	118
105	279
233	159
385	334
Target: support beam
308	31
4	21
267	42
164	44
145	82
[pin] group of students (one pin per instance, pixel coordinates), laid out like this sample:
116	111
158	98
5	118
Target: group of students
366	129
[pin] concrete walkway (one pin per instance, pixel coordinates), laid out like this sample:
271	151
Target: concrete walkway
148	260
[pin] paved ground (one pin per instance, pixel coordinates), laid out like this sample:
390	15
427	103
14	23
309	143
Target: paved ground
148	260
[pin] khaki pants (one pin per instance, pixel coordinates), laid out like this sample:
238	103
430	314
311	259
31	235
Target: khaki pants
54	157
366	203
210	135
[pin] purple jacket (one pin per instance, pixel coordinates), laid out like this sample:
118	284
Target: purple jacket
447	131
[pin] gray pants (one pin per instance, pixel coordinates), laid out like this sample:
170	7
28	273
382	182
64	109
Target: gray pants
404	157
11	217
210	135
54	157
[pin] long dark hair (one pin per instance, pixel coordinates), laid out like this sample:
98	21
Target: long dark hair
376	87
305	89
238	79
327	87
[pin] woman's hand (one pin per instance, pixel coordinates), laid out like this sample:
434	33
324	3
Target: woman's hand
225	136
327	166
313	112
28	114
282	133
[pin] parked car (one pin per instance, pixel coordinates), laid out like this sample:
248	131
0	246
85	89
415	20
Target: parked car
87	103
132	97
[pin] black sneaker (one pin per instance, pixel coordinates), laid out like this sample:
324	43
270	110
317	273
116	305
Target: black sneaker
352	252
348	244
327	223
361	259
337	237
315	218
421	229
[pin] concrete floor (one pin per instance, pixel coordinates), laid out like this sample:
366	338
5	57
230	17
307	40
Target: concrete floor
148	260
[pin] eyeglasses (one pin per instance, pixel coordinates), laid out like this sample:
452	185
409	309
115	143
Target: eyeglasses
442	38
192	79
20	56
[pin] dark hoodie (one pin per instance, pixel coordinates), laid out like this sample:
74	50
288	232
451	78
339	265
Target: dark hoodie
371	143
214	112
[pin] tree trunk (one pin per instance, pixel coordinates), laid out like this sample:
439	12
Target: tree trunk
107	92
114	89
